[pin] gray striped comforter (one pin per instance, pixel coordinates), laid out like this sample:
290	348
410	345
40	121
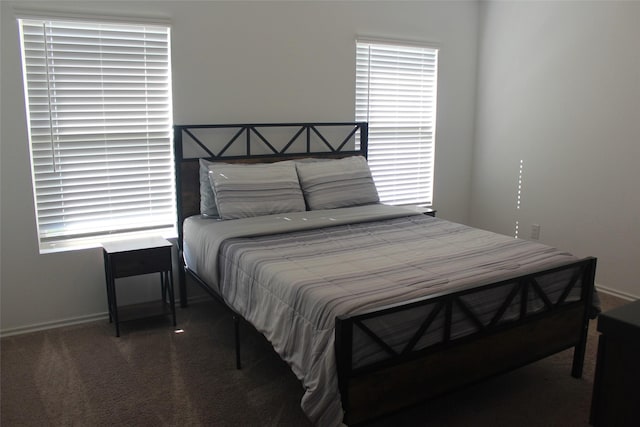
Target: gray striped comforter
292	285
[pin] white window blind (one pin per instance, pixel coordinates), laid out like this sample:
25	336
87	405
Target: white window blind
396	91
98	101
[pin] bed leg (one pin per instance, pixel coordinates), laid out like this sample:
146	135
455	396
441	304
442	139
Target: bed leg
579	350
578	361
182	280
236	327
587	297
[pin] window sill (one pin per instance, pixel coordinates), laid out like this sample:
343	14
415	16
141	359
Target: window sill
97	241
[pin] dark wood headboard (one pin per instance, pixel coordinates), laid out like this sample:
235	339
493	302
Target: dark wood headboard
255	143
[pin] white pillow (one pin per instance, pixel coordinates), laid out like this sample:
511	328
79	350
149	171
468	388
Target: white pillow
243	191
337	183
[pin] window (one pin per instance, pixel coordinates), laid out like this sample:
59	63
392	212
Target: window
396	88
98	99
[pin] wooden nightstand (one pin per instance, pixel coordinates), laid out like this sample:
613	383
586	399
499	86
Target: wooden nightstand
615	399
133	258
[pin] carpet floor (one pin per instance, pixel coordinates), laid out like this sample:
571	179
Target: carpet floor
155	376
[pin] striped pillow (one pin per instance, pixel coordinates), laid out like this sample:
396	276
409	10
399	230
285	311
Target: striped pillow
337	184
243	191
207	198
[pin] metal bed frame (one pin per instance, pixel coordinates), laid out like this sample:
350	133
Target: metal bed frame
411	375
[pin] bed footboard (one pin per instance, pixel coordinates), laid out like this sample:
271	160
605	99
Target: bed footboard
499	342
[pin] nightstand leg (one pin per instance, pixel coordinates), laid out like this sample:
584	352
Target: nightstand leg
163	287
172	300
115	305
107	276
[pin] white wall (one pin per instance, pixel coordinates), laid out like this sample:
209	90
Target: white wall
232	62
559	89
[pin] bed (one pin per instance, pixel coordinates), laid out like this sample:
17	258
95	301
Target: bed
374	307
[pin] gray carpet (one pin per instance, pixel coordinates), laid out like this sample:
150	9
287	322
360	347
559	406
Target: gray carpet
152	376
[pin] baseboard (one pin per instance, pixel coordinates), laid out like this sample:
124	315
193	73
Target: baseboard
615	293
77	320
53	324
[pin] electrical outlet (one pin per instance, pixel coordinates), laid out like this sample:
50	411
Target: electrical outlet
535	231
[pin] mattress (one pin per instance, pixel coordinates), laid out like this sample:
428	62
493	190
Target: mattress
291	275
